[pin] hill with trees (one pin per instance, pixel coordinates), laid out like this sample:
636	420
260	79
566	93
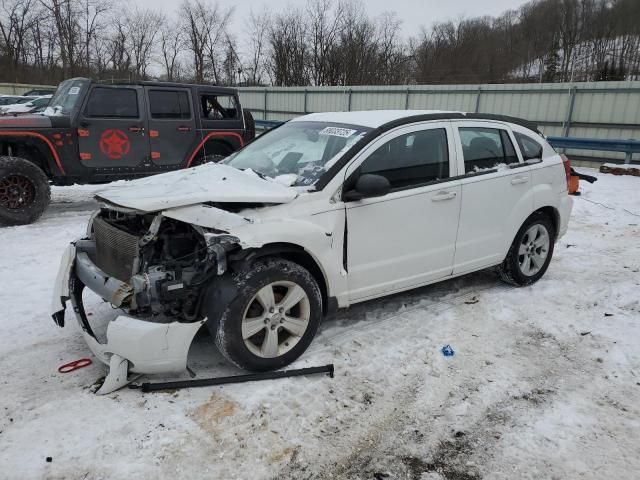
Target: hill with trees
323	42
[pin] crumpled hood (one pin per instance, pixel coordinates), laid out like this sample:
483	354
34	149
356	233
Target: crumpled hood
206	183
23	121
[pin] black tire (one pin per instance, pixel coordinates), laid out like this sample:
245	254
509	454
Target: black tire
24	191
228	335
510	270
223	151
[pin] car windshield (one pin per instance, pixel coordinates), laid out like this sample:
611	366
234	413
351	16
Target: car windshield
66	98
297	153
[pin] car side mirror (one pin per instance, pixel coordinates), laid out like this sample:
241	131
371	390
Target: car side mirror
368	185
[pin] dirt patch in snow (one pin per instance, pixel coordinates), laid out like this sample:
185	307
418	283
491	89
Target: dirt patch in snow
210	414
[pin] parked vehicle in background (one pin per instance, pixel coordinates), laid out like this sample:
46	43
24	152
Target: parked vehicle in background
95	133
9	99
26	107
328	210
39	92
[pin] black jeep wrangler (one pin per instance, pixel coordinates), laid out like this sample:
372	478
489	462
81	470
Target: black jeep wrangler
95	133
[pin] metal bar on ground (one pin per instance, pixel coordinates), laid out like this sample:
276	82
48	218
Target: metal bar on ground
252	377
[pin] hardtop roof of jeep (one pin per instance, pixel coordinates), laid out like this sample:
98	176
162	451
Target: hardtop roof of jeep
157	83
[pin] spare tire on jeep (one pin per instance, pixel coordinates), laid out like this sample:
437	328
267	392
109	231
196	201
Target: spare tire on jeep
249	124
24	191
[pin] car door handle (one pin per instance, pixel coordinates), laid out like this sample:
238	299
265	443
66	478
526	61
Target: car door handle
519	179
184	129
135	129
440	196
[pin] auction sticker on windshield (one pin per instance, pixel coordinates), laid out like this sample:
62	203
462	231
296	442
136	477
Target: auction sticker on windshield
337	132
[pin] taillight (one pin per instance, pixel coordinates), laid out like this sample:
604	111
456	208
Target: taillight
567	167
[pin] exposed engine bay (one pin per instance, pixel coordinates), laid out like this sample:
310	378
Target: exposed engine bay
166	263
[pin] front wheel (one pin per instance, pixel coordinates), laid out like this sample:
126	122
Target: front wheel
530	252
273	318
24	191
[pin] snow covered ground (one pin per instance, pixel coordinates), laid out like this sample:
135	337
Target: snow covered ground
545	381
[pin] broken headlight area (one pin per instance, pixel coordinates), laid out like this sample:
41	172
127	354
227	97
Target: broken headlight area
152	271
150	265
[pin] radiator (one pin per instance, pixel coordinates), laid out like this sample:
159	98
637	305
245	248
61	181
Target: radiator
117	251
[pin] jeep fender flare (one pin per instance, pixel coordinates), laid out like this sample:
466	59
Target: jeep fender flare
45	143
208	137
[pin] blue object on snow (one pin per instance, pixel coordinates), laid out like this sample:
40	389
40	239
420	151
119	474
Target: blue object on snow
447	351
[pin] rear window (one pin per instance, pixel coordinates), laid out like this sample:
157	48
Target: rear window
530	148
486	148
167	104
219	107
113	103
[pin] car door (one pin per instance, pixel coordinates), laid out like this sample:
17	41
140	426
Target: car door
496	193
111	128
407	237
172	125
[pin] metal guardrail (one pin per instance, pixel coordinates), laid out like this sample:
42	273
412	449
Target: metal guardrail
267	124
628	147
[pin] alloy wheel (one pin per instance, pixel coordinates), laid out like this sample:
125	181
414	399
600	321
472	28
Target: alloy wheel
533	249
16	192
276	318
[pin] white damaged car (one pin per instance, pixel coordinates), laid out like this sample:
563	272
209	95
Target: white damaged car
323	212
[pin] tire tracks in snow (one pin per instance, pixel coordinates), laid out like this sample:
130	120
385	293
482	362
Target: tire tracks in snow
333	336
411	432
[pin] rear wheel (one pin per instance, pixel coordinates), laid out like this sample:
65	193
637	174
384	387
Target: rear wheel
24	191
274	317
221	152
530	252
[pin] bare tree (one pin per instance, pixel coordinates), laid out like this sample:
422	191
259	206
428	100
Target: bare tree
141	31
65	14
256	32
324	23
172	43
206	26
16	18
118	50
289	50
91	13
323	42
355	60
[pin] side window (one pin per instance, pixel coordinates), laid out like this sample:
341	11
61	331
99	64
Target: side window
412	159
528	146
113	103
168	104
485	148
219	107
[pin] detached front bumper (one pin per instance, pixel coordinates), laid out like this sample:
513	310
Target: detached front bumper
132	344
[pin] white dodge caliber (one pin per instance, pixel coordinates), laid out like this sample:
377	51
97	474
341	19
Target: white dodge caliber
325	211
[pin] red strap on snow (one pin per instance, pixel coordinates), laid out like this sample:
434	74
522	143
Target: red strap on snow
75	365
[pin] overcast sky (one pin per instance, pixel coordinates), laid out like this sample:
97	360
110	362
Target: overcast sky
413	13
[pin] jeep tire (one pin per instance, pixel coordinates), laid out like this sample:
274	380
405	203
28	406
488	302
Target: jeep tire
24	191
